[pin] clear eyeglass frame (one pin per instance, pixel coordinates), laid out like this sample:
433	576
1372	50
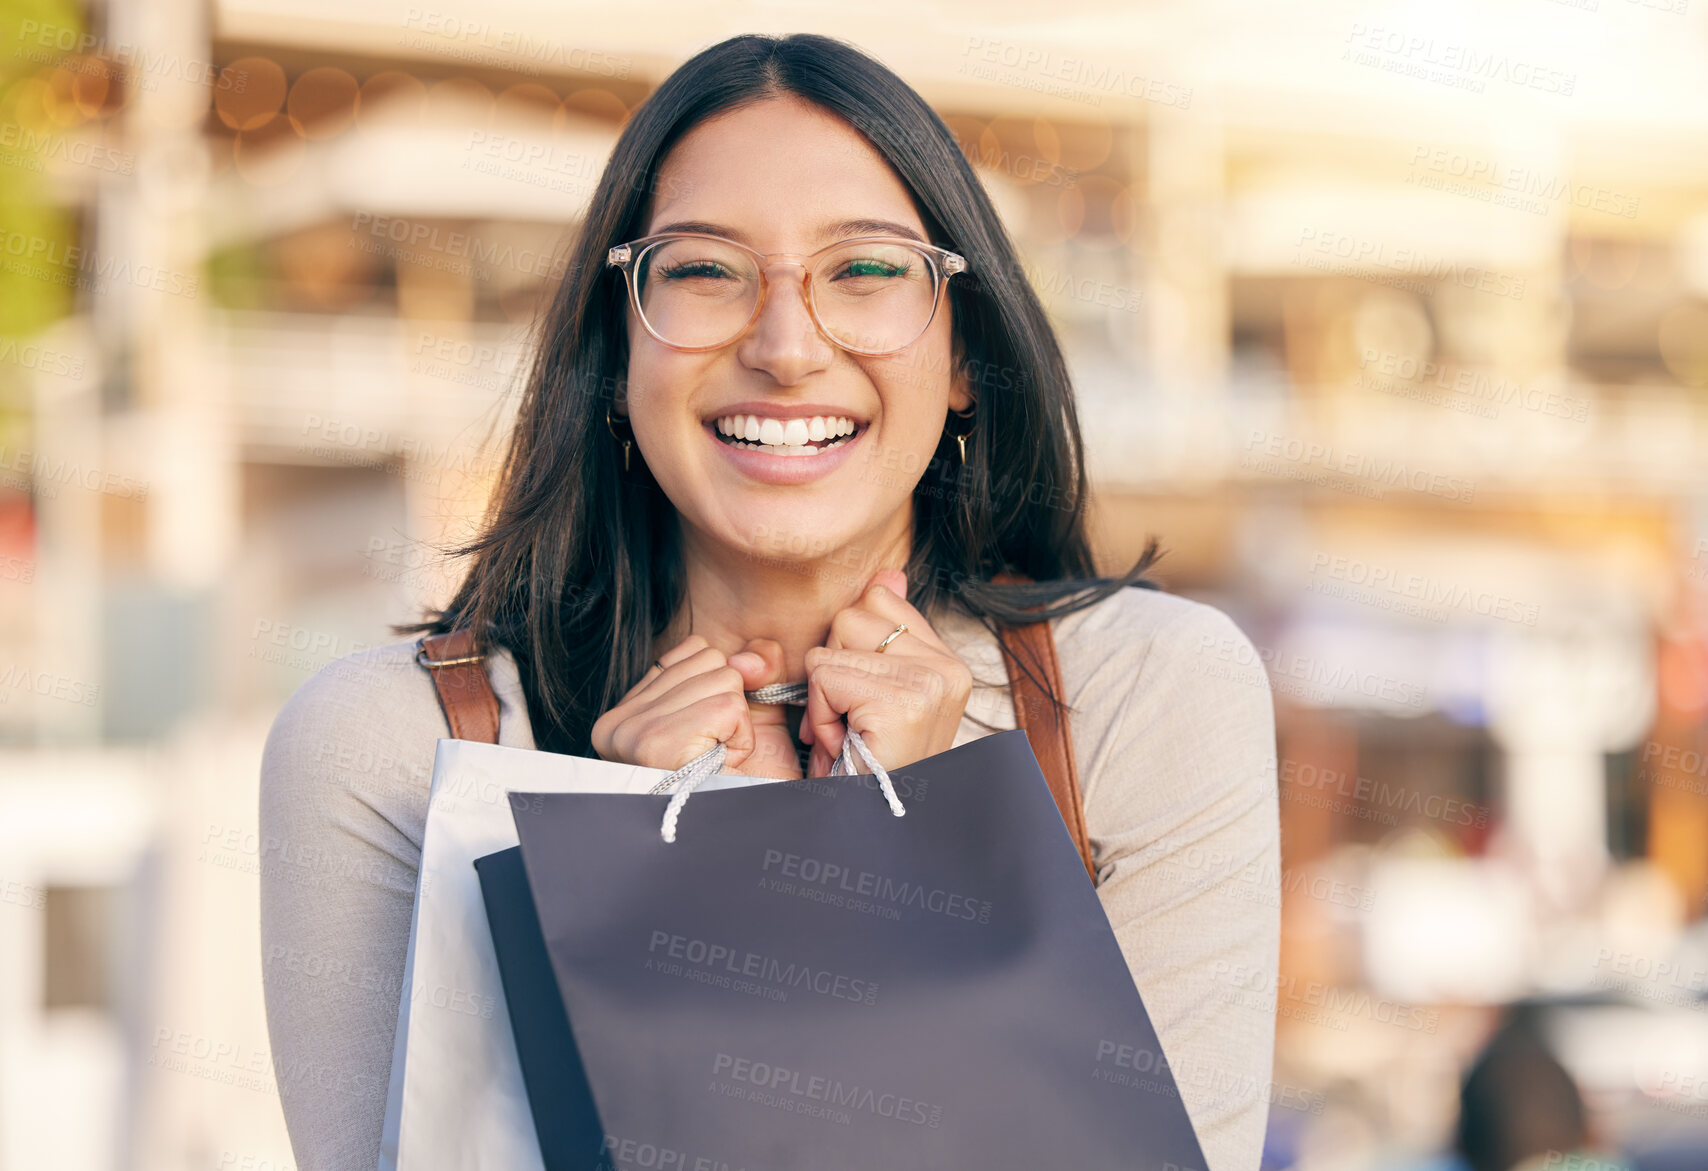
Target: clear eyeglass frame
943	263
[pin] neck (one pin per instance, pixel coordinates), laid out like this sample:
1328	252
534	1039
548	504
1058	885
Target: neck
735	595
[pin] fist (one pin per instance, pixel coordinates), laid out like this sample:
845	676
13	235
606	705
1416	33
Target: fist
905	701
674	714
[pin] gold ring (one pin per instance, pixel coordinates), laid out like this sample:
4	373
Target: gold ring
892	636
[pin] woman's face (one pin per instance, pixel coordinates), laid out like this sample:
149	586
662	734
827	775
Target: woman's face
783	176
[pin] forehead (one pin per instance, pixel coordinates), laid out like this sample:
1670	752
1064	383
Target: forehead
779	175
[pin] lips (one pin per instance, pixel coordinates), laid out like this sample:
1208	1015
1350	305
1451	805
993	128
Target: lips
792	448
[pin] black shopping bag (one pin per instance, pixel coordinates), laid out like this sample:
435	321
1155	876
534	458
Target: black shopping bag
566	1119
802	979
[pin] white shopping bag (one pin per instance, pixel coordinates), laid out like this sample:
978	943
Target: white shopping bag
456	1098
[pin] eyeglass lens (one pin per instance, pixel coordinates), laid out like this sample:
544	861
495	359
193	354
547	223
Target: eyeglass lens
873	297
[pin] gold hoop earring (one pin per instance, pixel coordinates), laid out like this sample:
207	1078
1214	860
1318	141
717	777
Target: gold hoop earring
961	436
627	443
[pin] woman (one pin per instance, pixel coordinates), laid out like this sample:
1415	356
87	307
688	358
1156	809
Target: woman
758	480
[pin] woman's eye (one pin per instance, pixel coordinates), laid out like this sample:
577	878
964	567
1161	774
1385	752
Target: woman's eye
870	268
693	268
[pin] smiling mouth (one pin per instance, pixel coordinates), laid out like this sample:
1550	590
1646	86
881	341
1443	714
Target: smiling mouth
787	437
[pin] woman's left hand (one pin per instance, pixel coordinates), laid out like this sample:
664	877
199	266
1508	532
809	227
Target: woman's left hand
906	701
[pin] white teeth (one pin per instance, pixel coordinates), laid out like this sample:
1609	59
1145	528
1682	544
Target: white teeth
787	436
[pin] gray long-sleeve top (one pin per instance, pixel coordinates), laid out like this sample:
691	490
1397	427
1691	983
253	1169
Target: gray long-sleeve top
1173	733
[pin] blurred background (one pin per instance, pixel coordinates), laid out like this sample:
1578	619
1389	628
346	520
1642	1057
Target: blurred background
1389	319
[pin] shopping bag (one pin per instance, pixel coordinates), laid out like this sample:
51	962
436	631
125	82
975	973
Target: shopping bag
566	1119
804	978
456	1097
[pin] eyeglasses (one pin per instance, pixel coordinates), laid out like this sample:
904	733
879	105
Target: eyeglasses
871	295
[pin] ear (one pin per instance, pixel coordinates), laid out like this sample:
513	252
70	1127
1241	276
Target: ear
961	396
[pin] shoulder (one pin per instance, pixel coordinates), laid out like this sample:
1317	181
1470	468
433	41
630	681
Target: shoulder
1150	635
1168	685
365	727
381	692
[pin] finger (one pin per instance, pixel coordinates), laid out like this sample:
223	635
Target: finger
760	662
656	684
689	646
697	686
719	717
859	629
913	683
822	716
892	607
837	690
685	728
892	579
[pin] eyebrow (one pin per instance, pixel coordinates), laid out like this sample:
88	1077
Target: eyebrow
845	229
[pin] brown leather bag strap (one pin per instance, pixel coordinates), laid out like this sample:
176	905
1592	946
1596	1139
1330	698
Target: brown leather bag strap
1046	728
465	692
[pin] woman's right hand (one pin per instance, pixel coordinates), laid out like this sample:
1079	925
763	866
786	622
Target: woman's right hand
672	716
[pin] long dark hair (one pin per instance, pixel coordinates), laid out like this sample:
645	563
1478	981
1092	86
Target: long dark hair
579	567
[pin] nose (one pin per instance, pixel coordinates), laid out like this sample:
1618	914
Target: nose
785	341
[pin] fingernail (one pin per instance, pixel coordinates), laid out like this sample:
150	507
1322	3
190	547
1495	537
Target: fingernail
747	659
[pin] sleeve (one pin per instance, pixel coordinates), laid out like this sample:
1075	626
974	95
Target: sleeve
1182	787
344	780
